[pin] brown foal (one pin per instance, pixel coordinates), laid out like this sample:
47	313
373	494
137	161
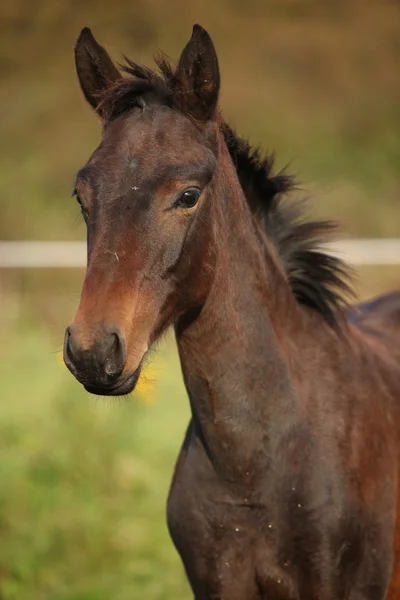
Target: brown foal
286	487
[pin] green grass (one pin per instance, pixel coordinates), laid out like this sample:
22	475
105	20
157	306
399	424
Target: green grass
83	482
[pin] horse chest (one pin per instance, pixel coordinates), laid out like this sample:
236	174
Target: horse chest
222	541
225	554
234	549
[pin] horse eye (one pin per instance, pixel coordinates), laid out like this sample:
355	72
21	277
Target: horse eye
189	198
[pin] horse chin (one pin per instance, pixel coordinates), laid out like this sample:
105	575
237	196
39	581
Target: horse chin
124	386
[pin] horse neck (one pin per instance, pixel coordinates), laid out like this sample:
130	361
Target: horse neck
234	367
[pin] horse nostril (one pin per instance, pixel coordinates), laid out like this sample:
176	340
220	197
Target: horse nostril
101	361
115	359
68	354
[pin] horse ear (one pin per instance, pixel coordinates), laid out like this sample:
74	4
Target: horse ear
95	69
198	75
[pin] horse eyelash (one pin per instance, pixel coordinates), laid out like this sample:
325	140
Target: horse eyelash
77	196
83	213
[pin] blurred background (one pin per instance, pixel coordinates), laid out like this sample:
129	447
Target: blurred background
83	481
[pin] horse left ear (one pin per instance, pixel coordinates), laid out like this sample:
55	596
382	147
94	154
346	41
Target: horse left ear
198	76
95	69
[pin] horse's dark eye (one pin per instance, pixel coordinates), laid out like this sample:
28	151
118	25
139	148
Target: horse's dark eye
189	198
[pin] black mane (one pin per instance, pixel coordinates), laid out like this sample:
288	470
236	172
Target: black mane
318	279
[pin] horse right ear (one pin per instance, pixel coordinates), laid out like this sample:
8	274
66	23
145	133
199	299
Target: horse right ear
95	69
198	75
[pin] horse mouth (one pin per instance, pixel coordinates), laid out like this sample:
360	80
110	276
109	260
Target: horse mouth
125	386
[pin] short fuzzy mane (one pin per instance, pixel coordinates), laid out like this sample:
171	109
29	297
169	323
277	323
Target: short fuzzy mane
127	92
318	279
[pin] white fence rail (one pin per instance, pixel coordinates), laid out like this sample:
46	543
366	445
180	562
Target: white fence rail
73	254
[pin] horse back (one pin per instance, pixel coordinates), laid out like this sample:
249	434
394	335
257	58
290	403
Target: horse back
382	311
379	318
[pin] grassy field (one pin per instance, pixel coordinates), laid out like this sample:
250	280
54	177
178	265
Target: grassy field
83	482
